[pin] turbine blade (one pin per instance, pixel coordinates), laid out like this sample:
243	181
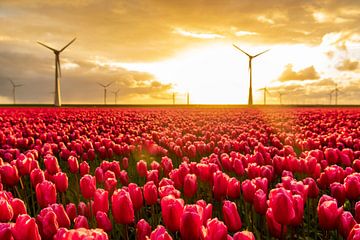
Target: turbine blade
242	51
12	83
19	85
261	89
52	49
67	45
109	84
267	91
261	53
101	84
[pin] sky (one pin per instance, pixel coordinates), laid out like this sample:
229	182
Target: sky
149	49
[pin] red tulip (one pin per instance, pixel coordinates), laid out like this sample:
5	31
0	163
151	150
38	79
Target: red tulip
25	228
136	196
220	185
5	231
282	205
73	164
172	210
354	233
298	203
80	234
36	176
215	230
81	222
313	190
61	181
141	168
18	207
125	163
231	216
124	178
233	189
328	214
352	186
248	189
51	164
274	227
88	186
45	193
110	185
103	221
47	223
190	185
99	174
338	192
150	193
260	202
143	230
122	207
9	174
191	222
101	201
84	168
160	234
244	235
61	215
167	165
6	211
71	211
346	223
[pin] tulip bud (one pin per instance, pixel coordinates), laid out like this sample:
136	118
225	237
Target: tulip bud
25	228
354	233
260	204
190	185
73	164
150	193
233	189
171	210
71	211
141	167
352	186
191	222
215	229
51	164
103	221
346	223
61	215
244	235
328	214
122	207
160	233
18	207
84	168
47	223
5	231
136	196
6	211
9	174
220	185
81	222
231	216
143	230
282	205
45	193
338	192
88	186
61	181
101	201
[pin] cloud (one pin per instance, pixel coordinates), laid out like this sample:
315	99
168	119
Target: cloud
348	65
197	35
289	74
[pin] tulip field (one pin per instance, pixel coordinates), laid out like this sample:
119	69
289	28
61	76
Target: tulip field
179	173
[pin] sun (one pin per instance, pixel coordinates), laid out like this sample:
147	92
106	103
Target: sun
218	73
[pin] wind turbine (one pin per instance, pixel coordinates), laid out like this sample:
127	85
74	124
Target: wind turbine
330	95
57	100
336	91
14	89
265	89
105	86
173	98
251	57
280	97
188	98
116	95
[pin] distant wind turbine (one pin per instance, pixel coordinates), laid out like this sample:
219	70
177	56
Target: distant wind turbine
336	91
57	100
116	95
251	57
173	98
188	98
105	86
266	91
14	89
280	97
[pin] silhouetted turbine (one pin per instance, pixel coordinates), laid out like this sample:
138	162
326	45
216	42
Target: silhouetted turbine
265	91
336	91
251	57
188	98
57	100
105	86
14	89
116	95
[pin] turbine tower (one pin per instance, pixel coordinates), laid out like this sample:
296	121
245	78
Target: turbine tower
173	98
251	57
187	98
116	95
14	90
266	91
336	91
105	86
280	97
330	95
57	100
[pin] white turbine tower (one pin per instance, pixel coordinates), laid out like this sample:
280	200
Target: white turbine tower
266	91
251	57
105	86
57	100
14	90
116	95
